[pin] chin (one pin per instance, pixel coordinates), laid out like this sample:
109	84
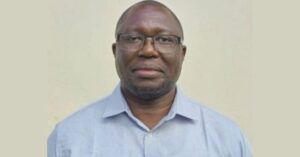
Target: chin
150	90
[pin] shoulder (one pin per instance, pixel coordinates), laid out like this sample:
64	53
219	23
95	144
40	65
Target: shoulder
214	123
217	120
83	120
77	130
221	132
211	118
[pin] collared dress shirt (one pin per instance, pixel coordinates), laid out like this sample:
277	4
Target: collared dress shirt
108	128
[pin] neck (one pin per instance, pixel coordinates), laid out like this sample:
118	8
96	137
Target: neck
150	112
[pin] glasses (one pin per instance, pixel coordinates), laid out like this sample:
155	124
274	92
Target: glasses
162	43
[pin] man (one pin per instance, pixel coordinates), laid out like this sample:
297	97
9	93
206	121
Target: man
147	115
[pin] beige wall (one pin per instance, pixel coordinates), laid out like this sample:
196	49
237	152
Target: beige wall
258	88
216	71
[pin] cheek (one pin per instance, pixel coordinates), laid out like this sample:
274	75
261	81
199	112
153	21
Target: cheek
119	64
175	67
122	62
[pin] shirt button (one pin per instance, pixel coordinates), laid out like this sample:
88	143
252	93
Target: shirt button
149	135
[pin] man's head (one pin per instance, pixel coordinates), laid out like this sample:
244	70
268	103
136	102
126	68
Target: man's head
148	52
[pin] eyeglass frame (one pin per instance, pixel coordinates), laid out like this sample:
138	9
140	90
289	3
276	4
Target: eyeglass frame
142	44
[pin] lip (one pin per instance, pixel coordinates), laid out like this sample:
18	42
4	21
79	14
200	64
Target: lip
147	72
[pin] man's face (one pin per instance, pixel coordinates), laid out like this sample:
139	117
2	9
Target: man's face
147	73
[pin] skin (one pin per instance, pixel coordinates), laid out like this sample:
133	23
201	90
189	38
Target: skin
148	77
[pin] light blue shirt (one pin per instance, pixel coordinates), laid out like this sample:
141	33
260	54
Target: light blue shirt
108	128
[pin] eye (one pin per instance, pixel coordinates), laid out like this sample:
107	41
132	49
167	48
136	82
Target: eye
130	38
166	39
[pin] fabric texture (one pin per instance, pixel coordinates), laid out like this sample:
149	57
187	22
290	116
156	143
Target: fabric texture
107	128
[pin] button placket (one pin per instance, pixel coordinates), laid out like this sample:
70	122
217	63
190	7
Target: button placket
149	145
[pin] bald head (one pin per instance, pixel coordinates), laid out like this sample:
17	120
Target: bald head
144	6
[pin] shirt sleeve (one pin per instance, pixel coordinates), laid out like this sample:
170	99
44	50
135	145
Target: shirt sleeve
51	145
245	147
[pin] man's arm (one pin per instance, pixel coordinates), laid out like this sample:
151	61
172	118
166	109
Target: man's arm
245	147
51	145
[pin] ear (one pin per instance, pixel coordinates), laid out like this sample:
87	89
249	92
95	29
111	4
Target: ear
114	49
183	51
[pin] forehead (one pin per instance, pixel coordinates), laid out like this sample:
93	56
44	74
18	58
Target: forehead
149	20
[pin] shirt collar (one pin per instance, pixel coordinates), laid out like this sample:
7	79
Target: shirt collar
183	106
116	103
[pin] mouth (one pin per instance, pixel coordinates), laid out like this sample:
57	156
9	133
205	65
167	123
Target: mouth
147	72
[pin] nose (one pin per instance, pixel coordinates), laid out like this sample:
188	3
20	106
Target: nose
148	49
